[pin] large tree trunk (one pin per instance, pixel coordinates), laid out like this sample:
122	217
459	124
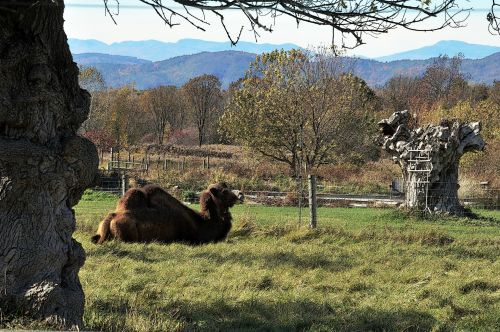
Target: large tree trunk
429	158
44	165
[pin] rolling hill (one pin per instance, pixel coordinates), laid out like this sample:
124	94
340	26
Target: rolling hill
444	47
229	66
88	59
155	50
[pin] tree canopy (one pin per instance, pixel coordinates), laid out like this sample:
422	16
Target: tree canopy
300	108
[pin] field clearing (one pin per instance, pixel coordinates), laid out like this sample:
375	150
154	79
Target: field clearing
362	269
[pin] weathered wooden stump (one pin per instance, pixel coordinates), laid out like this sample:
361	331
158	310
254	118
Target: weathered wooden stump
429	159
44	165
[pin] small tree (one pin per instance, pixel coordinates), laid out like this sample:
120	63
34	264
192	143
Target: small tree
443	82
299	107
398	93
205	99
91	79
166	108
494	94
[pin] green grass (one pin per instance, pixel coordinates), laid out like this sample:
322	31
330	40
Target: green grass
362	269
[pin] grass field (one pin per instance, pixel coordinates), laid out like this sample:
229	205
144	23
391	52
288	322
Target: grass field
362	269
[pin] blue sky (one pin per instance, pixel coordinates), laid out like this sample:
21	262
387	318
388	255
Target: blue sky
86	19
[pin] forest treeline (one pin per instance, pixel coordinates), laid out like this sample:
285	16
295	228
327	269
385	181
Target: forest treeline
295	107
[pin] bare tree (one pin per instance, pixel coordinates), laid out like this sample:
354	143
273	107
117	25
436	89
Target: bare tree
91	79
443	82
351	19
165	105
493	17
398	92
205	99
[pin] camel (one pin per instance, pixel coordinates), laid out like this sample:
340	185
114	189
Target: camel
151	214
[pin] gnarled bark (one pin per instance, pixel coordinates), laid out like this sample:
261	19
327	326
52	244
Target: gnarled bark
44	165
429	158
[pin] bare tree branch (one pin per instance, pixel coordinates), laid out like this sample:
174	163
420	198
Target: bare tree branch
108	11
352	19
493	18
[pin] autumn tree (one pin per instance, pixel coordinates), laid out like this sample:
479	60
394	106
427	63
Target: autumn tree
443	82
124	121
484	166
204	98
298	107
399	93
485	111
91	79
45	166
494	93
166	107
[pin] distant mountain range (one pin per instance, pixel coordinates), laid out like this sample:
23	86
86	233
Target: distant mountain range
155	50
229	66
445	47
117	70
376	73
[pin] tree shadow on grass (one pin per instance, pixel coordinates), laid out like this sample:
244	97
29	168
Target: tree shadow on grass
257	315
269	260
309	261
305	315
290	259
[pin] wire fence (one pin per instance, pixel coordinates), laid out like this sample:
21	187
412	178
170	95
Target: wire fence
482	198
115	180
150	163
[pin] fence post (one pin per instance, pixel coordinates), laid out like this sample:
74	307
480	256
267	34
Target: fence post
183	164
124	184
110	163
208	162
313	203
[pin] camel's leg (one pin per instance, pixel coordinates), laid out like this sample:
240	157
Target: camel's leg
125	229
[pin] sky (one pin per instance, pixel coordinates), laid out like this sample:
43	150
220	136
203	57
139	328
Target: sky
86	19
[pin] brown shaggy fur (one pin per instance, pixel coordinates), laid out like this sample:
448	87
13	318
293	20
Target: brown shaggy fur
152	214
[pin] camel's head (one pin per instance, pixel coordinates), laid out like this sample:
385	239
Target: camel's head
222	196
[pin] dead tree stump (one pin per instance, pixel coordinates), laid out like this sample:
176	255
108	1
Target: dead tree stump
429	159
44	165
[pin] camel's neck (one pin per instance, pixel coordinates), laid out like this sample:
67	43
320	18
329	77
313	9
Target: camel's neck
216	225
